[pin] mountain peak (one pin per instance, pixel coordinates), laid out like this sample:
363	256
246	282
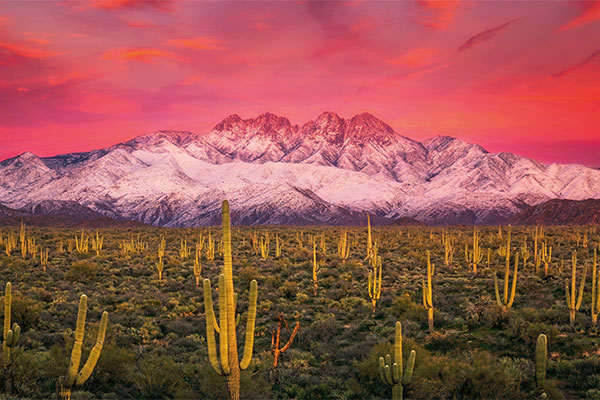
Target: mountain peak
176	137
265	124
365	126
442	143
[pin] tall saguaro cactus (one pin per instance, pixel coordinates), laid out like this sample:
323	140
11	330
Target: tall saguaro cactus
507	301
11	337
595	291
74	376
393	374
428	297
572	291
227	362
541	351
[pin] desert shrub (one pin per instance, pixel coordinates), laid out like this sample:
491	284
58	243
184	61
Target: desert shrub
159	377
476	376
82	271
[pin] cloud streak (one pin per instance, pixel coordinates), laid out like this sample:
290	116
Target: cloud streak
595	56
483	37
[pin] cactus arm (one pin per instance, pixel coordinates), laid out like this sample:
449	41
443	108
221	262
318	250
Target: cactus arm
568	294
210	328
382	371
76	352
88	367
388	375
223	315
581	288
497	291
249	343
289	343
396	373
410	366
513	288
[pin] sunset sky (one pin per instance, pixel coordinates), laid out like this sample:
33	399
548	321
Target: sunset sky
519	76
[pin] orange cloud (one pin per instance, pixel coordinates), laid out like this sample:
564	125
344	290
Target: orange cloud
414	58
197	43
146	55
39	40
162	5
591	13
12	50
192	79
443	12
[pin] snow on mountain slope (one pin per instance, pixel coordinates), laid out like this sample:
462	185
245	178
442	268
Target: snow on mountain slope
329	170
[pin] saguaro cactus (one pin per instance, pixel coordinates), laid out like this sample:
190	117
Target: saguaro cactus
75	377
375	283
546	256
316	268
369	241
11	337
393	374
343	245
541	351
428	297
506	302
227	362
572	292
197	269
475	256
595	291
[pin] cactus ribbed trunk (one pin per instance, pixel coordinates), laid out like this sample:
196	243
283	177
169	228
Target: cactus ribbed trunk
397	392
233	378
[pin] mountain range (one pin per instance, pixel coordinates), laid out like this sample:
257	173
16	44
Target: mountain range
330	170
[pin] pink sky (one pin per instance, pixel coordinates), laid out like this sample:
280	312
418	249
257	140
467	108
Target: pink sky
509	75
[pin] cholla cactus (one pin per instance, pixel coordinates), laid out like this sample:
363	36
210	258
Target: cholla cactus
394	374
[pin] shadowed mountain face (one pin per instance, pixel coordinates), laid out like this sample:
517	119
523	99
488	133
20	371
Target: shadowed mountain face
62	214
560	212
330	170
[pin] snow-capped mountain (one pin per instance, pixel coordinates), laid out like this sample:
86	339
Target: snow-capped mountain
329	170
